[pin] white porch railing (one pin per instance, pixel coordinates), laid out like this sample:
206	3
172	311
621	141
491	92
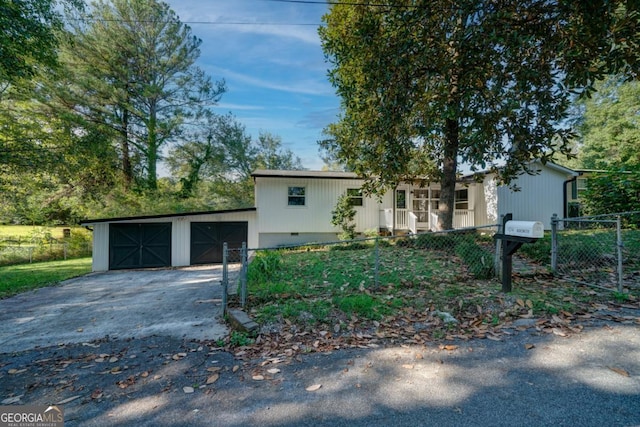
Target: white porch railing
413	223
402	222
463	218
407	220
433	221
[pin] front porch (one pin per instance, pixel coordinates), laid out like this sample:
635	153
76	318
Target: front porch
407	220
415	209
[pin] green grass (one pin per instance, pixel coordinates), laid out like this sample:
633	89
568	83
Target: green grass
26	231
322	289
20	278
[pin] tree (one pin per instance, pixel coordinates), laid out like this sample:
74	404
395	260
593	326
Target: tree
28	37
608	126
222	155
613	192
428	84
136	73
343	215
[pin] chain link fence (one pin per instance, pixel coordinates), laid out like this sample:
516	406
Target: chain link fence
450	256
12	253
601	251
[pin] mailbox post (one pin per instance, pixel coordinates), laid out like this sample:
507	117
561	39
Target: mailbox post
513	236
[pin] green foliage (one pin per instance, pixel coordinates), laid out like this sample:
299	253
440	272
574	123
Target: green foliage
264	266
613	192
608	126
28	37
539	251
342	216
478	259
436	241
426	85
362	305
240	339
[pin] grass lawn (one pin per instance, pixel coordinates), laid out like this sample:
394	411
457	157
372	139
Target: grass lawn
418	294
26	231
19	278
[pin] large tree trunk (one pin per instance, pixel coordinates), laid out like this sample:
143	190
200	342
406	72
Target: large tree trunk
127	170
152	149
449	169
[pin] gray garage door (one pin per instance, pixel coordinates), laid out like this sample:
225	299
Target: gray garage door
207	239
139	245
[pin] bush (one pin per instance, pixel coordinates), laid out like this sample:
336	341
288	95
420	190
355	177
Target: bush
479	260
264	266
540	251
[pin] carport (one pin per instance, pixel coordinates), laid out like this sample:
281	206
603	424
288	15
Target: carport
173	240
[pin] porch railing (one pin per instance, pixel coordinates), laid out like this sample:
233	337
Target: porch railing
413	223
407	220
402	222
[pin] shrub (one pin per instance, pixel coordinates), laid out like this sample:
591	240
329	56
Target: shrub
436	241
264	266
479	260
540	251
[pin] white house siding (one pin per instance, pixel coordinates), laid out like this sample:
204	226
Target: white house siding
321	196
486	202
100	258
540	196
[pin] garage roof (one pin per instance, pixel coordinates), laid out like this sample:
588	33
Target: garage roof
173	215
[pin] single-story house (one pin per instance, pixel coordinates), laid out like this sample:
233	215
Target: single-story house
294	207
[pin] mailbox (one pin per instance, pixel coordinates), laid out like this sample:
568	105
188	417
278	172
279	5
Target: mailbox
532	229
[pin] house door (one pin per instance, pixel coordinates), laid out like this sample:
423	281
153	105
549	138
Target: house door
139	245
401	210
207	239
420	206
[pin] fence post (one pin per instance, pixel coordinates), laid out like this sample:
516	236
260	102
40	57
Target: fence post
620	246
64	250
554	242
225	277
243	275
30	254
377	264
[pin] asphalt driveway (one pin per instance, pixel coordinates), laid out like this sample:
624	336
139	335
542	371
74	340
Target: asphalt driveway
180	303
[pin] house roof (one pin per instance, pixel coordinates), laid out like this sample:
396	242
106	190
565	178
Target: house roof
172	215
550	165
303	174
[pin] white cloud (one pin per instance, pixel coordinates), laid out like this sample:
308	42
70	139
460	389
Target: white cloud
300	86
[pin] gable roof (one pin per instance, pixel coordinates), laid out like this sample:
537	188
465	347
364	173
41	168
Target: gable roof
553	166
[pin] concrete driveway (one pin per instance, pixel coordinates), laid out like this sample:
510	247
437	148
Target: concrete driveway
183	303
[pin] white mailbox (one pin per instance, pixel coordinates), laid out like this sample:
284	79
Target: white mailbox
533	229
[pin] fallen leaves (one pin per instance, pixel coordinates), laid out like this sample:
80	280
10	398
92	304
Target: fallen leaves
314	387
619	371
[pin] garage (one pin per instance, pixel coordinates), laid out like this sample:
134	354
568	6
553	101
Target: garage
170	240
207	239
142	245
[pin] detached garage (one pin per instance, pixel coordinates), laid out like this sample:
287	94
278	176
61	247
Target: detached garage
175	240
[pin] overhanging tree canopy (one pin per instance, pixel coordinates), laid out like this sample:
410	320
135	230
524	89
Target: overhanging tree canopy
425	84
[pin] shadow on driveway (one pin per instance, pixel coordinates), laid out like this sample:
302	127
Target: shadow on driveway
181	303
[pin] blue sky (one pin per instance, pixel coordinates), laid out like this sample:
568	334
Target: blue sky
276	75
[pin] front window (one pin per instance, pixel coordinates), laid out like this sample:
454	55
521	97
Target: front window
462	199
355	196
296	196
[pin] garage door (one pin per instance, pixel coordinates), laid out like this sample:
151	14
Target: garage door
139	245
207	239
